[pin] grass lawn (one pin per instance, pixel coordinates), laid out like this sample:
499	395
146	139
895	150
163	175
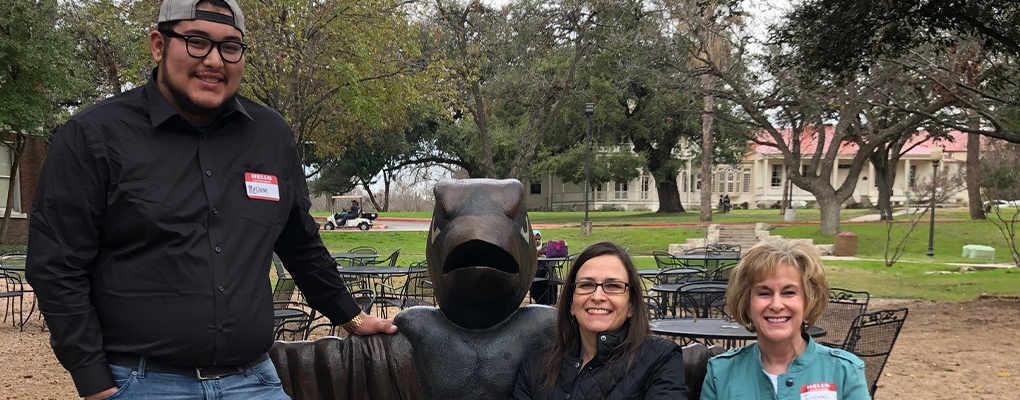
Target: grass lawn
950	237
906	280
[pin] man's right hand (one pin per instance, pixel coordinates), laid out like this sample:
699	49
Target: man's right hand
102	395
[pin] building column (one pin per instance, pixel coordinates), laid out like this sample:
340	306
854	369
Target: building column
905	182
871	182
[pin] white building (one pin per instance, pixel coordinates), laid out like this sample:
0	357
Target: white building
758	180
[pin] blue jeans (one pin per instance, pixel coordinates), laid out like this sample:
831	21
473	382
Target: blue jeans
259	382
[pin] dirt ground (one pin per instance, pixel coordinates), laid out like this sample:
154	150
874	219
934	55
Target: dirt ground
947	350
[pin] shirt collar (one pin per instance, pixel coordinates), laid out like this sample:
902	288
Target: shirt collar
798	364
160	109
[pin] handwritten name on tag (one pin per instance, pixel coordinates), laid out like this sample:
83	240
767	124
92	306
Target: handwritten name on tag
818	391
262	186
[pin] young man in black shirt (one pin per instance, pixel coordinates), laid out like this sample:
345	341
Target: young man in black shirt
156	215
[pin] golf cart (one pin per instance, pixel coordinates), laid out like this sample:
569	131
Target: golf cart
362	221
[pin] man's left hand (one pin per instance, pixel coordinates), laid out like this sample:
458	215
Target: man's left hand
372	325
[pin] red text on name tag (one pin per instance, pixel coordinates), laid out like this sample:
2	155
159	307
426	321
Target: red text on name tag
261	186
818	391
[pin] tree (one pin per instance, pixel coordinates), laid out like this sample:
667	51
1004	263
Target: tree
384	154
514	70
1001	181
112	39
39	78
338	69
947	184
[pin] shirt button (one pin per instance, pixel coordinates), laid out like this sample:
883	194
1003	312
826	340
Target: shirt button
215	211
789	382
217	249
208	173
577	365
220	288
603	337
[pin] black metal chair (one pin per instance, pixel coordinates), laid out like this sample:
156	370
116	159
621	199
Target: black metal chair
365	299
844	306
871	337
663	260
367	250
291	320
12	291
703	299
285	288
390	261
724	248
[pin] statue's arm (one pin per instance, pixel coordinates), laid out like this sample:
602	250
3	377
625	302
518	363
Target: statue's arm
360	367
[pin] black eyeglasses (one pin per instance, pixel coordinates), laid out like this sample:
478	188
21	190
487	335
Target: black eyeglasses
231	51
611	287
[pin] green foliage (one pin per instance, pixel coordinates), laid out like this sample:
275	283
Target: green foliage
338	69
112	43
38	72
872	29
1000	172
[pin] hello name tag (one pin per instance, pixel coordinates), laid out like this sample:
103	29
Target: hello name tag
818	391
262	186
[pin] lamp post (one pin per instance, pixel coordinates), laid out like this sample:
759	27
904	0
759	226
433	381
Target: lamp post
936	157
589	109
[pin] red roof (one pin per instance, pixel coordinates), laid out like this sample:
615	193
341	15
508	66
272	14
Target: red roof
955	142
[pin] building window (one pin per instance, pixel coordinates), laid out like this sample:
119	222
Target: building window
683	177
720	180
536	188
697	182
621	190
777	175
6	158
645	183
911	176
747	183
731	182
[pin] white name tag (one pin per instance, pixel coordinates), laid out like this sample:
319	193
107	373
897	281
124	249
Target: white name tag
261	186
818	391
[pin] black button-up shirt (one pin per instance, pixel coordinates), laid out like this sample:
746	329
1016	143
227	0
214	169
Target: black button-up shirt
151	237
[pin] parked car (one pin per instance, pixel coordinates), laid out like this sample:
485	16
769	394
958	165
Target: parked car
1002	203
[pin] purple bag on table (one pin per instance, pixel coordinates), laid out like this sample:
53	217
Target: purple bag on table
556	248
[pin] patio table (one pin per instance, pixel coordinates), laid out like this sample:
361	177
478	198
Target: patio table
354	259
711	329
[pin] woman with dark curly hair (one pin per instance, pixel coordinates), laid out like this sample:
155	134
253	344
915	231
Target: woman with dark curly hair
603	348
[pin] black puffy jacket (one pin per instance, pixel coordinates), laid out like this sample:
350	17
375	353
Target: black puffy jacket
657	373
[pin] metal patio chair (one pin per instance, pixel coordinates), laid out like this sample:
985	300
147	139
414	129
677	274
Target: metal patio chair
871	338
844	306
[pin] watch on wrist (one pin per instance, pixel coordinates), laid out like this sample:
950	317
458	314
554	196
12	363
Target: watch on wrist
354	323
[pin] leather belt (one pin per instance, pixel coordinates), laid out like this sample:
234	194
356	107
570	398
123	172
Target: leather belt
202	373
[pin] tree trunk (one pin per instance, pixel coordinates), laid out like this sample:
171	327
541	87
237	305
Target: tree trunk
977	210
669	195
884	180
19	149
884	203
829	206
706	151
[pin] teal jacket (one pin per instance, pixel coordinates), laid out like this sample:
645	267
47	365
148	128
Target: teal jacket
739	374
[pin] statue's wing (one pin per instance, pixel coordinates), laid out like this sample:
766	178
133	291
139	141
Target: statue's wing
377	367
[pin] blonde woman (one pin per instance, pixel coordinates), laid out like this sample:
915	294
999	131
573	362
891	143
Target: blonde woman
777	291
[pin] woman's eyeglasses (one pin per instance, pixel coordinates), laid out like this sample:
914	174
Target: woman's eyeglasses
611	287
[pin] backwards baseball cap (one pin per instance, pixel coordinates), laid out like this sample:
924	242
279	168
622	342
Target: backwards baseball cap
181	10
